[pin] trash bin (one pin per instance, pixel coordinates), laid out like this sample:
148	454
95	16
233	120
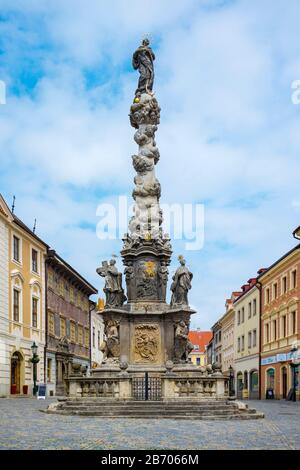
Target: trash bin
270	394
25	389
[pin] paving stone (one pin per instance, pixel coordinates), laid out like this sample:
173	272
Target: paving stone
23	426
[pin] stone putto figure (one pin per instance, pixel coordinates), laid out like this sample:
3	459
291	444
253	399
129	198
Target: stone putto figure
181	284
183	345
111	345
113	284
142	60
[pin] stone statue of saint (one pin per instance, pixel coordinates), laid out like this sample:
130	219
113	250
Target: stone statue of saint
113	284
181	284
142	60
111	345
129	276
163	280
183	345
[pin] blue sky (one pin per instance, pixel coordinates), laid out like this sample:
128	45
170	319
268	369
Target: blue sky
229	134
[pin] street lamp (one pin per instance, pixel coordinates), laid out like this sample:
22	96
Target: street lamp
35	359
295	361
231	381
296	233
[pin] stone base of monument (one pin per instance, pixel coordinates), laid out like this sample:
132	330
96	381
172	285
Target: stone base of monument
180	391
166	409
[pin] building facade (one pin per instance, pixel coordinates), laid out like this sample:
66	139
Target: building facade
280	323
200	340
22	306
97	333
247	341
227	329
68	321
217	343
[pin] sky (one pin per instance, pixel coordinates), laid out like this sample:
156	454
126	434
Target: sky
229	134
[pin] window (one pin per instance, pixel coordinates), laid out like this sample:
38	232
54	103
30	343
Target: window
239	344
267	333
254	307
35	312
283	325
219	335
51	324
249	310
73	332
198	361
293	323
86	338
50	278
61	287
62	327
99	344
254	339
16	248
243	314
34	260
239	317
284	284
80	335
16	304
243	343
49	367
270	378
249	339
275	291
93	336
274	323
294	279
268	295
71	294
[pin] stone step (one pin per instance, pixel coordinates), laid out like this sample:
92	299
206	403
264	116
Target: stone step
143	411
231	416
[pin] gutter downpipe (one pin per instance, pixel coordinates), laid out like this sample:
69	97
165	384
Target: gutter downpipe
259	285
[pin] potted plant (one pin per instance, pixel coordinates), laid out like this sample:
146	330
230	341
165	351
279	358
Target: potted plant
25	389
13	389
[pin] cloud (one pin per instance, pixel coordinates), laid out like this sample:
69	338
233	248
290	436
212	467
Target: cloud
229	133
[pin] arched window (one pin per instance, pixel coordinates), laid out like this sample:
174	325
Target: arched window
271	378
254	381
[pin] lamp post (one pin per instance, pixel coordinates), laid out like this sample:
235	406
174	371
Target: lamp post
295	361
35	359
296	233
231	381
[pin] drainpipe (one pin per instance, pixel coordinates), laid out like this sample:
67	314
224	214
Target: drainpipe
46	319
259	285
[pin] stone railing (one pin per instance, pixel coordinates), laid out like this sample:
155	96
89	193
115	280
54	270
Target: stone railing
172	387
107	387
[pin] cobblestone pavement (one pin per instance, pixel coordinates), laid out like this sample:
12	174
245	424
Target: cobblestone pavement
23	426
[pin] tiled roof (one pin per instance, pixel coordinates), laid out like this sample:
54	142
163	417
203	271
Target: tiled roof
200	339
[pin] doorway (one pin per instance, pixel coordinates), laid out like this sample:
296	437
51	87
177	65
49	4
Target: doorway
284	381
15	382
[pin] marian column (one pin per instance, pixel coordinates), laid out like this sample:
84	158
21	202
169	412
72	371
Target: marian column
145	332
147	250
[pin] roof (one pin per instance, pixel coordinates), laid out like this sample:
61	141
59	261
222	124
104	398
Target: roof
200	339
27	229
55	260
297	247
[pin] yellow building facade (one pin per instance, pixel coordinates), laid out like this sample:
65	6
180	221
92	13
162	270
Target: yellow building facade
22	306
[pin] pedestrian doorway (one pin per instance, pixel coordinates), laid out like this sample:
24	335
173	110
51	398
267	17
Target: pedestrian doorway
284	382
15	376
